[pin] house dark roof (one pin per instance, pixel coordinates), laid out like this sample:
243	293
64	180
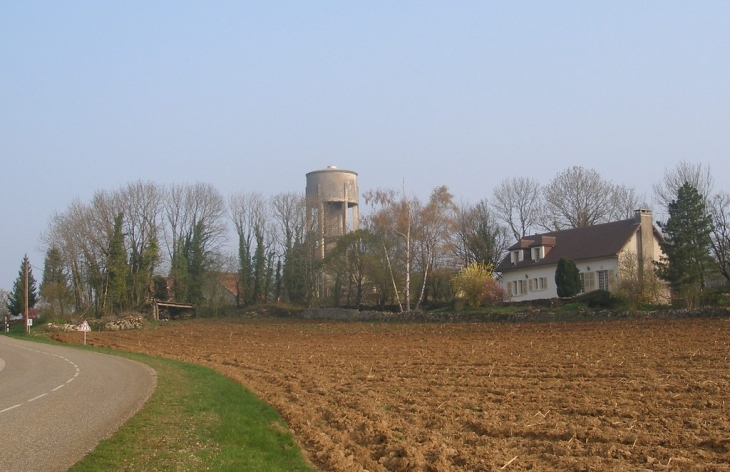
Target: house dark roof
577	244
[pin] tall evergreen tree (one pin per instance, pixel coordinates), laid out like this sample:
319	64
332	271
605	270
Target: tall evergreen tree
197	264
189	267
16	298
297	273
244	272
117	269
686	245
179	274
277	281
269	276
54	285
150	259
567	278
142	268
259	268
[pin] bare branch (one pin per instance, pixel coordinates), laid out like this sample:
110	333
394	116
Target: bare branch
516	202
698	175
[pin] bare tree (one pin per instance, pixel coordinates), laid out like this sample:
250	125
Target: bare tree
83	234
289	220
517	202
4	294
257	239
392	222
575	198
194	237
243	209
289	212
246	210
697	175
186	206
624	203
719	207
478	235
434	225
350	266
58	235
141	204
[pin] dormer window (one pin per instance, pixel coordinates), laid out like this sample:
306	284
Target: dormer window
538	253
516	256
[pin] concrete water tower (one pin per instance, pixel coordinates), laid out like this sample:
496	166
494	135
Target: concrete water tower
332	205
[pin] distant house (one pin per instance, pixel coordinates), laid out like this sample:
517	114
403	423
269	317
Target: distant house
223	289
528	271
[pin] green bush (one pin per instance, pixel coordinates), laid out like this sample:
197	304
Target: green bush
598	299
567	278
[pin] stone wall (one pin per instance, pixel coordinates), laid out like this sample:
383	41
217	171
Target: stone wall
104	324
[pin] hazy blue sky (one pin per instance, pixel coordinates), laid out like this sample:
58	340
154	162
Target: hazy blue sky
250	96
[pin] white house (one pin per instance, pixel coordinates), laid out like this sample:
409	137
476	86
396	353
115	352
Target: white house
528	271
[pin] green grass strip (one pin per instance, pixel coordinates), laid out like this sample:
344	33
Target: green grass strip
197	419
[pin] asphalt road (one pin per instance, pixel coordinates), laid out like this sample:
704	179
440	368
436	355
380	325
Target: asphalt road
57	403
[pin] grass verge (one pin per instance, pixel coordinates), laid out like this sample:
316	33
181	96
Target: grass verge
197	419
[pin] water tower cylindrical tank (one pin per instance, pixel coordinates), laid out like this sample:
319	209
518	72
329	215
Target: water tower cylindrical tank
332	205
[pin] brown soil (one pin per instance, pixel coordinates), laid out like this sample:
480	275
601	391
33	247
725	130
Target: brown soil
621	395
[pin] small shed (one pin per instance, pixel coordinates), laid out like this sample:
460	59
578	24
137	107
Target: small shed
171	310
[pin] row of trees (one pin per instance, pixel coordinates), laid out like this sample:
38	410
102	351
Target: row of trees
115	252
120	249
124	246
575	198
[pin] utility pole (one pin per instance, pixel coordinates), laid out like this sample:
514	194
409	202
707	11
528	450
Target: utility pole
25	292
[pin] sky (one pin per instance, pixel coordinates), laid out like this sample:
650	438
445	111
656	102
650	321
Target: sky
250	96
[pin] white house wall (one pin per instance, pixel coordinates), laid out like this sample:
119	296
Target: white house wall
598	264
536	273
548	272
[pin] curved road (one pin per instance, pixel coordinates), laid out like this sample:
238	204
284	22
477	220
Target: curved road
57	403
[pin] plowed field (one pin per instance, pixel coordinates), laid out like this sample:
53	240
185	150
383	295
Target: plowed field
619	395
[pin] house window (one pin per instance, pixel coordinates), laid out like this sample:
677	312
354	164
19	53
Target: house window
538	284
602	280
587	281
538	253
517	256
518	287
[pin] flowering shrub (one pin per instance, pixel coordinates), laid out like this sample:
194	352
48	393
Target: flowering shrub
477	285
495	294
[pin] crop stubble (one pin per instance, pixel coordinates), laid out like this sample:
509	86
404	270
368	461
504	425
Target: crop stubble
619	395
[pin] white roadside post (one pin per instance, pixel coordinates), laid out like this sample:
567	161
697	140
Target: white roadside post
84	327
